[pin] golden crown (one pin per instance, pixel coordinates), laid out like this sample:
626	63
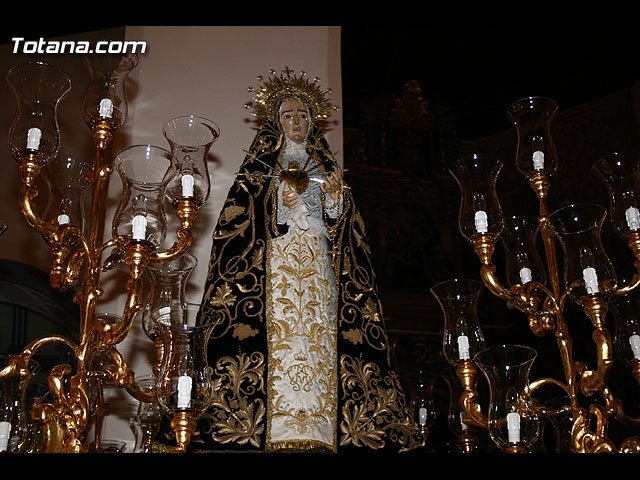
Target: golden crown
279	87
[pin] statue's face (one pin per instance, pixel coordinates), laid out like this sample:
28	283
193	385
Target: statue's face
294	119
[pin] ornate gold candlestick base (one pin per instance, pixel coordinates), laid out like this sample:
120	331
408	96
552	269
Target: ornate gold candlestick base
514	448
183	424
466	442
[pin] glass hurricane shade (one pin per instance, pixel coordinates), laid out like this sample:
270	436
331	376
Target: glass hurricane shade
524	265
462	335
67	180
626	315
536	150
166	283
512	420
587	268
480	211
620	174
105	97
190	138
184	382
456	413
38	89
141	214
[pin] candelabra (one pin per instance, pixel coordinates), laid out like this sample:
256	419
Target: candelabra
589	281
150	176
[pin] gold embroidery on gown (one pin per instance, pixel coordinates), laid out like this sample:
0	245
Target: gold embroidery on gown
301	328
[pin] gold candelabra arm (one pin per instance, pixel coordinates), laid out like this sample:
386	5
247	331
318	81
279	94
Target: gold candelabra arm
615	409
634	285
179	248
130	385
28	194
134	304
490	279
69	250
633	242
65	419
19	364
535	385
583	439
466	372
592	381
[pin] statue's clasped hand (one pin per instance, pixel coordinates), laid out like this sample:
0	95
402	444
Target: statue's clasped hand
333	184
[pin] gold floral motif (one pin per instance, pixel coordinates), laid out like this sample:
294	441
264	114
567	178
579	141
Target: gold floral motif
375	411
223	297
242	331
230	212
232	416
301	335
353	335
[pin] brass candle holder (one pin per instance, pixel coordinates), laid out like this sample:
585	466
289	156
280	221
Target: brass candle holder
77	257
589	277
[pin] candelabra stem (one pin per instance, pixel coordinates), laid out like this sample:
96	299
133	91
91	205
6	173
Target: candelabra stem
549	250
466	372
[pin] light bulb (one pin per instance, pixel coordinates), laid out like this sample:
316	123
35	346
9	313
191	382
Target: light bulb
537	145
538	160
422	415
525	275
187	185
634	341
139	224
184	391
5	432
463	347
481	221
590	280
33	138
513	427
106	108
633	218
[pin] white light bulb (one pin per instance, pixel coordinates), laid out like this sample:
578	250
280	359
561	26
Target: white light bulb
5	432
139	227
513	427
590	280
33	138
481	221
184	391
463	424
538	160
187	185
634	340
633	218
422	415
63	219
525	275
463	347
106	108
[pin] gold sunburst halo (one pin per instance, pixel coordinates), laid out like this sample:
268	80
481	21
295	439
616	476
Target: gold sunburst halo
278	87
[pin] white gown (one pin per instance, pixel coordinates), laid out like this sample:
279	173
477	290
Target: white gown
301	323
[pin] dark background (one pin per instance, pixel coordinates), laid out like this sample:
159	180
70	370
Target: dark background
479	72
